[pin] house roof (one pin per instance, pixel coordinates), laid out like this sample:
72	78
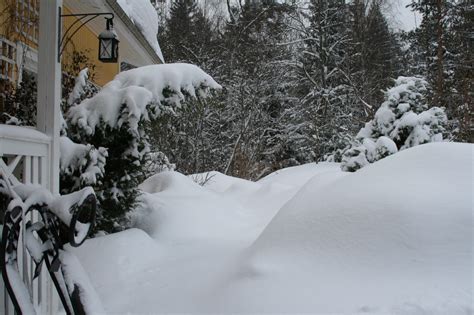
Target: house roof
134	48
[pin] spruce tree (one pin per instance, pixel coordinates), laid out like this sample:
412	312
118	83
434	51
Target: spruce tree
404	120
187	33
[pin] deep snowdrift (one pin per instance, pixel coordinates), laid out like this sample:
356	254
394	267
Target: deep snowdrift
394	237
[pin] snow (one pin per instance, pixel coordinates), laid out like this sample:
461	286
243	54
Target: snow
384	147
34	246
20	290
32	194
86	159
392	227
80	84
140	90
76	277
144	16
71	153
394	237
26	133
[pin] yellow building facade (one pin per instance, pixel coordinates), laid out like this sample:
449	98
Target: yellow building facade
19	39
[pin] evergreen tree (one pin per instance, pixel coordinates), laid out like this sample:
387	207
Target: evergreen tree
118	118
447	47
266	133
434	37
187	34
462	40
404	120
374	53
328	92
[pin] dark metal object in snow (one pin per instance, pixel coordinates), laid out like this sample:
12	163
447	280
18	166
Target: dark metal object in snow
44	240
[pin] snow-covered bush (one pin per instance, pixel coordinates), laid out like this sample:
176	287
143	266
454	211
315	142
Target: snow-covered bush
81	164
118	118
402	121
157	162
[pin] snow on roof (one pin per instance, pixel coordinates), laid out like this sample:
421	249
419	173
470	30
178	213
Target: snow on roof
144	16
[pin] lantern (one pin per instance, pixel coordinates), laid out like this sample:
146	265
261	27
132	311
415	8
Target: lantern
108	44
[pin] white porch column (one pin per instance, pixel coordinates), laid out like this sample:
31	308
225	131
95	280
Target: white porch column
49	83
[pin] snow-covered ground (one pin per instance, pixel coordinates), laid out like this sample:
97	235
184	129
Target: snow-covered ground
395	237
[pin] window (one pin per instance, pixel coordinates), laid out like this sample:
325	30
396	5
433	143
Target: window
7	59
27	22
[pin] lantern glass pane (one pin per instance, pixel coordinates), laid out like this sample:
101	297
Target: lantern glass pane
105	48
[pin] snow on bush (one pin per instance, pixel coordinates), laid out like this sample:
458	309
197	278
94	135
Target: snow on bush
401	122
83	164
135	94
118	118
79	86
158	162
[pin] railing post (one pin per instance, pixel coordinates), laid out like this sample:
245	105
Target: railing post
48	114
49	83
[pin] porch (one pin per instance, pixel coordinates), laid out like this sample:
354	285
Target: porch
30	155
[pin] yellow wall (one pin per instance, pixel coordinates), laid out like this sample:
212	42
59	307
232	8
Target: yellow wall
87	42
84	41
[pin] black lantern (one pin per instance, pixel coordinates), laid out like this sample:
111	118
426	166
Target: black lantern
108	44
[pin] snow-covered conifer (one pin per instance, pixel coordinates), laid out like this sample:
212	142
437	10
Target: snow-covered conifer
404	120
118	118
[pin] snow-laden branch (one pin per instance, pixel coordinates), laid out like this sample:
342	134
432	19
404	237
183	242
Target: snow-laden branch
138	90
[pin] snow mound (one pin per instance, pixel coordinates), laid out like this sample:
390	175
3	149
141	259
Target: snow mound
386	197
169	180
299	174
144	16
116	260
175	209
122	254
218	182
394	237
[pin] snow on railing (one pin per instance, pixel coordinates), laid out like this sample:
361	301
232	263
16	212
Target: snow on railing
24	158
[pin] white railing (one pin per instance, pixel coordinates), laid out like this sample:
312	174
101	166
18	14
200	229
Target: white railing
24	158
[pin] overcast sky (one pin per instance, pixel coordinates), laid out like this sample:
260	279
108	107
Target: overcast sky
398	15
402	17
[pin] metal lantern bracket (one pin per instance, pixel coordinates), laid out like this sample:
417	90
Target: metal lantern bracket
83	19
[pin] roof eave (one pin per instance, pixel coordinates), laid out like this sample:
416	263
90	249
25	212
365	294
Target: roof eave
120	13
